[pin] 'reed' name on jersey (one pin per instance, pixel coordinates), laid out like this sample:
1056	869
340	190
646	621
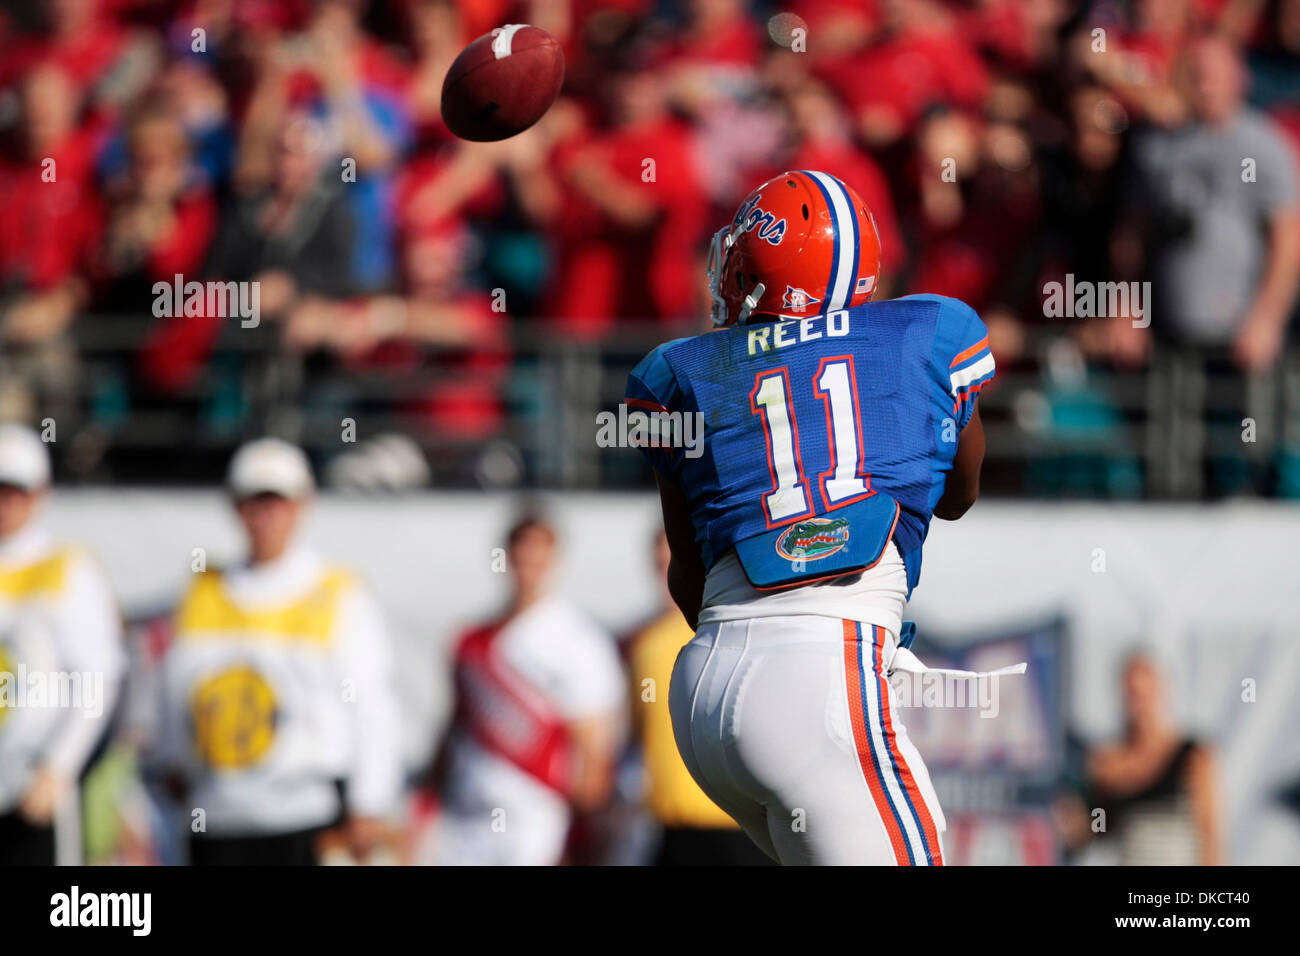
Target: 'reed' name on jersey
824	435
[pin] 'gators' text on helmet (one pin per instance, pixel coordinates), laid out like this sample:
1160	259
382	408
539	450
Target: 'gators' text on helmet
803	243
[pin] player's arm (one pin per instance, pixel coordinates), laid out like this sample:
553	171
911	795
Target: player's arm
591	687
1205	803
374	779
595	748
686	571
962	486
965	363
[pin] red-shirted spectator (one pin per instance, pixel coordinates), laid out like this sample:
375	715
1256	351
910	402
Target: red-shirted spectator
631	218
821	139
162	215
438	325
457	181
461	332
161	221
77	37
1011	31
293	239
841	27
1139	67
337	24
109	64
48	200
922	59
970	225
439	30
718	33
713	61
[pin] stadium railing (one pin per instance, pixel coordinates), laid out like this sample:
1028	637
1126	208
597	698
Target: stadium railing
1188	426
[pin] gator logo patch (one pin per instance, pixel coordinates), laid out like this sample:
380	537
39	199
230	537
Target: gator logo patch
813	539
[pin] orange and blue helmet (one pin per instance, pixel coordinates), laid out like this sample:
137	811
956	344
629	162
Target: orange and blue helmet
803	243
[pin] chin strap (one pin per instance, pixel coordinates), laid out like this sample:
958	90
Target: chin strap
722	242
750	303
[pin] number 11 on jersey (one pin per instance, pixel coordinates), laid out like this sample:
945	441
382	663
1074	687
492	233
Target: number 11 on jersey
845	480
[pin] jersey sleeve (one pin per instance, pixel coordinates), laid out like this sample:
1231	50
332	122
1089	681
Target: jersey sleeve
962	357
365	664
652	396
90	640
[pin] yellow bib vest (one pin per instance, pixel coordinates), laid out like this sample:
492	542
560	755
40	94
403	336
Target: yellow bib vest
235	710
208	610
20	583
40	578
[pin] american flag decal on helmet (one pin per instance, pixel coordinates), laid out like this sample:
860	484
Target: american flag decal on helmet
865	284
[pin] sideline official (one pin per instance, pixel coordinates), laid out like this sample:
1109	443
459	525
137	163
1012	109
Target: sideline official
61	664
279	690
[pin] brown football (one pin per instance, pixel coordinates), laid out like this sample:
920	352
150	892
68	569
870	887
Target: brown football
502	83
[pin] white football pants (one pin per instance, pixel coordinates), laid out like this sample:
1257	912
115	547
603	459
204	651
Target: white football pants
788	724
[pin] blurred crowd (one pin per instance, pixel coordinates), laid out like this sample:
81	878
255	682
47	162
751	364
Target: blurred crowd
1001	144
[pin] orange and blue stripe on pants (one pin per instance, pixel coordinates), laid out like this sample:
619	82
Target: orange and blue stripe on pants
898	799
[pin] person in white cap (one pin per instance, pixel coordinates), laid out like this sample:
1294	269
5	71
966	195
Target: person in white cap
280	709
61	664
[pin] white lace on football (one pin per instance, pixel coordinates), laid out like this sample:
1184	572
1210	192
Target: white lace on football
502	37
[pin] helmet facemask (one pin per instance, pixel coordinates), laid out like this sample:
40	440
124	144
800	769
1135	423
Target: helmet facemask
719	249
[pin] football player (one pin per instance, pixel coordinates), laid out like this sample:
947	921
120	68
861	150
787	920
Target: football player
834	429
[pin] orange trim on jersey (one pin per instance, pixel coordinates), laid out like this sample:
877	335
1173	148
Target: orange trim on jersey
643	403
969	393
905	777
967	353
854	681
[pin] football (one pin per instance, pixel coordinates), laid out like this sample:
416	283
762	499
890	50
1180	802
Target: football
502	83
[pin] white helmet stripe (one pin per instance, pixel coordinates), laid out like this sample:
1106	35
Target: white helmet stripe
846	265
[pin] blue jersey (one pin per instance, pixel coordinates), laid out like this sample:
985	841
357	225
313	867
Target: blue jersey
823	437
